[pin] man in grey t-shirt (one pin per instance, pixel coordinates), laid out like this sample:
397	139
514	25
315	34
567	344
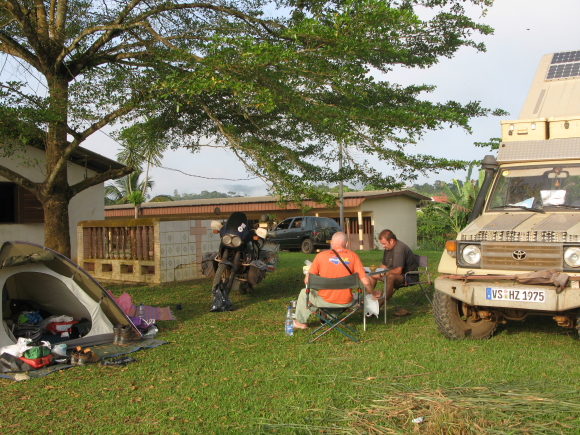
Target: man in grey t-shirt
398	259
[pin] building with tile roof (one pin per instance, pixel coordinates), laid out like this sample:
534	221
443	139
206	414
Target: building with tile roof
367	213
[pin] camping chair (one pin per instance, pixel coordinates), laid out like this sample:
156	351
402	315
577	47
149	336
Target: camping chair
424	278
333	318
424	282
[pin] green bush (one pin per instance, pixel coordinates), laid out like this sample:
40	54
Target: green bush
433	230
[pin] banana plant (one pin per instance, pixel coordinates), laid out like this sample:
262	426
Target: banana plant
457	210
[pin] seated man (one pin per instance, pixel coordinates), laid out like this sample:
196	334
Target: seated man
328	265
398	259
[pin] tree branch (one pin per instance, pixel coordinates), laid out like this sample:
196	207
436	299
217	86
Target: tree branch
80	137
91	31
60	22
52	18
22	16
41	19
19	179
111	174
107	37
13	48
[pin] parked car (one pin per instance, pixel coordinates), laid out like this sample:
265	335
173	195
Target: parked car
306	233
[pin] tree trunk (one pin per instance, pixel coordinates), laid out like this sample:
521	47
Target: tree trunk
56	223
55	192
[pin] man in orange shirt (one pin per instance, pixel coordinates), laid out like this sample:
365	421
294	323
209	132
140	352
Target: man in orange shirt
328	265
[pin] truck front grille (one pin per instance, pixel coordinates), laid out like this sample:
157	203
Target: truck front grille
537	256
522	236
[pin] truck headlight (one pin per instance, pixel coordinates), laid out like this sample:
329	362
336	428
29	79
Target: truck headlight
471	254
572	256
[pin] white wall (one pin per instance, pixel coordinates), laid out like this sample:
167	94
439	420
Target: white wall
396	213
88	205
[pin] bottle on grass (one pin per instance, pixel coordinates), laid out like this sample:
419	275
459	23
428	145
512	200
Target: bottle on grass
289	322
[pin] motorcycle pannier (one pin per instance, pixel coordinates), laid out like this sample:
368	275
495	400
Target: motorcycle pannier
257	272
207	263
270	254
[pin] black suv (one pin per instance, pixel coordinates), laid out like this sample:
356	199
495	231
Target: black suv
306	233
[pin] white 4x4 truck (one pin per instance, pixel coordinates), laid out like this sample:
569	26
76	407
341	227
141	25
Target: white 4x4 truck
520	255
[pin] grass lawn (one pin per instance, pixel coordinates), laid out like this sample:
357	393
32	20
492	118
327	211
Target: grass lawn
237	373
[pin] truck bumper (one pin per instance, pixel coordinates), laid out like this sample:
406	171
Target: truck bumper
478	293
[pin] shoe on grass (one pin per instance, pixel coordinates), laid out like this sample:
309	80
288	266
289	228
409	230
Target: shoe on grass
74	356
88	357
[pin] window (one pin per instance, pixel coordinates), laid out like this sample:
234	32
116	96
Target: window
8	195
297	223
283	225
19	205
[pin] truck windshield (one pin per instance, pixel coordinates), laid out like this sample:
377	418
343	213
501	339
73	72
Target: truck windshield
537	188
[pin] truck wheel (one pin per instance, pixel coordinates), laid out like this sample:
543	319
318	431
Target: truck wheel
453	319
307	246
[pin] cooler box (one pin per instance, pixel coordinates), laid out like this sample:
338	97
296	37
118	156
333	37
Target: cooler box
524	129
561	128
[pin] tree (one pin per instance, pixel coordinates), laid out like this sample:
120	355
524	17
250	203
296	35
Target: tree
457	211
433	228
203	195
130	190
280	83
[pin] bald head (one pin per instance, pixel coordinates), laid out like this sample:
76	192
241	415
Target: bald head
338	240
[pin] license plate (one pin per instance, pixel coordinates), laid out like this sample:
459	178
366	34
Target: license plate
498	294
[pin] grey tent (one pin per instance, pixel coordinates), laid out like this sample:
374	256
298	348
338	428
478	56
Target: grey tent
52	283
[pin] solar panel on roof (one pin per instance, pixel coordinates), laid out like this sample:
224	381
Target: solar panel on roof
566	56
564	65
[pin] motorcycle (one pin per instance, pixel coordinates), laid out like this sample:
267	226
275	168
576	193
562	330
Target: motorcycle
242	262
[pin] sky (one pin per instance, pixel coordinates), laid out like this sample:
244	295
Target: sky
525	30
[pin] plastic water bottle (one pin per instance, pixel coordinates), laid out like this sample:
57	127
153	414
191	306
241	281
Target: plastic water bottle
289	322
141	311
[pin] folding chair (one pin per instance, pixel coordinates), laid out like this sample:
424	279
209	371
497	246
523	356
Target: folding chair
333	318
424	282
424	278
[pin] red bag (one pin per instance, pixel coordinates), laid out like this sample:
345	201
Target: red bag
38	363
58	328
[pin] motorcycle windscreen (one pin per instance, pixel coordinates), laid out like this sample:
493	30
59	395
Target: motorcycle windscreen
237	223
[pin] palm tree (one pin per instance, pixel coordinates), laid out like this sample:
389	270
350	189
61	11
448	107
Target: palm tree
141	144
128	190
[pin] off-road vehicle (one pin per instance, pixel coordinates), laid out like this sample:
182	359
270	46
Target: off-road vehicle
306	233
520	255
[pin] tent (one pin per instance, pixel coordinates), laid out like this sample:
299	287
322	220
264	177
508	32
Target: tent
52	283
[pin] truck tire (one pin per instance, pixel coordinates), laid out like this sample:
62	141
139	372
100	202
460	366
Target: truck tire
307	246
450	317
